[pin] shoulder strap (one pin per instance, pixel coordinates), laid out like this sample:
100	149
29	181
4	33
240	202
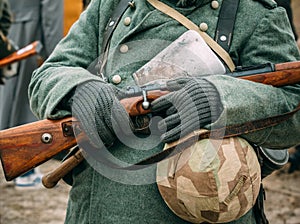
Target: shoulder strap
111	26
190	25
226	22
114	20
221	30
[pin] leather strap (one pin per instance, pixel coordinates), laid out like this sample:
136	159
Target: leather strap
111	26
113	22
182	144
220	133
226	22
173	149
192	26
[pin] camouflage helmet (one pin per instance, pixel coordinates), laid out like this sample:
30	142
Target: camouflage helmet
212	181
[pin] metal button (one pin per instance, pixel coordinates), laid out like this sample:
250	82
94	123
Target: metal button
124	48
223	38
116	79
215	4
203	27
127	21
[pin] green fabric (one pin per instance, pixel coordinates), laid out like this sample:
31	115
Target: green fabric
106	195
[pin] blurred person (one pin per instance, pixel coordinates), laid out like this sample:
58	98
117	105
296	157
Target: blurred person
33	20
5	22
6	46
5	18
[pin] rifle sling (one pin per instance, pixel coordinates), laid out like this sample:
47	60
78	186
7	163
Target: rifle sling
111	26
182	144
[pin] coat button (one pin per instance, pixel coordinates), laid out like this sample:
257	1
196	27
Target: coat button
124	48
203	27
215	4
111	23
223	38
127	21
116	79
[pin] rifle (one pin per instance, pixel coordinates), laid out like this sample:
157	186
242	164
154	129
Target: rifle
23	53
27	146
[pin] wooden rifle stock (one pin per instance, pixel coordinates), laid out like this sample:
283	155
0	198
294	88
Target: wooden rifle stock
25	52
284	74
25	147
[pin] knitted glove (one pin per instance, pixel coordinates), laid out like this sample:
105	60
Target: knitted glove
100	113
187	109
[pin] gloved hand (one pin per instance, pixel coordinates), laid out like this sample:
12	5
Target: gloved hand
195	104
100	113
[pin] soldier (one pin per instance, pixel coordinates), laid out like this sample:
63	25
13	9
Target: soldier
5	22
85	75
5	17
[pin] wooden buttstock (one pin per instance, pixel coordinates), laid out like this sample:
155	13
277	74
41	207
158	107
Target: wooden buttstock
27	146
25	52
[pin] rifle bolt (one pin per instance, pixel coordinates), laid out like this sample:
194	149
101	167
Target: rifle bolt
47	138
146	105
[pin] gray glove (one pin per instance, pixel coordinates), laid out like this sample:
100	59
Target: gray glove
99	112
190	108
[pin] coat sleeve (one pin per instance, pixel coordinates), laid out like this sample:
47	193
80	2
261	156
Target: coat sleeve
272	41
68	63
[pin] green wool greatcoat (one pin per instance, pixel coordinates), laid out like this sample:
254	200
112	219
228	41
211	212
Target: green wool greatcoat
104	195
